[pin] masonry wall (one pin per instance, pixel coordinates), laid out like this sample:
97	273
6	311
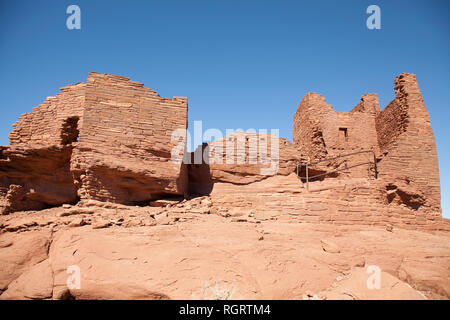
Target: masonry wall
111	140
308	128
242	158
406	140
400	136
34	168
43	126
320	132
124	149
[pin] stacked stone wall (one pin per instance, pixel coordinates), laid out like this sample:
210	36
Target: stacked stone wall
43	127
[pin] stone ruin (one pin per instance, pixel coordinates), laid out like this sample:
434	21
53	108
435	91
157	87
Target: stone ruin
400	137
110	139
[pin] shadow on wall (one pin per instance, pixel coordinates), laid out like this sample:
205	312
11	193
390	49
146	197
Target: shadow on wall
70	131
199	174
314	174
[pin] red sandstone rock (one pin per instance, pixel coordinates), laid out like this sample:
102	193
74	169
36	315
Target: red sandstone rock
35	283
353	286
400	136
138	261
245	163
22	252
109	139
99	148
329	246
35	178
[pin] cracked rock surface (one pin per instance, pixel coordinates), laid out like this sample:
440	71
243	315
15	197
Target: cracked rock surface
188	250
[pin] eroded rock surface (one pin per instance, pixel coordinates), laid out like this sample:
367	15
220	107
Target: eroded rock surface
88	184
108	139
186	251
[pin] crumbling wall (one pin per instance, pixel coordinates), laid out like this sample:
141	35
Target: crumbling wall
400	136
369	104
409	164
109	139
124	149
34	169
43	127
308	126
361	124
322	133
245	157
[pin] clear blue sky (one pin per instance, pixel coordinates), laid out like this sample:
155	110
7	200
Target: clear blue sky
242	64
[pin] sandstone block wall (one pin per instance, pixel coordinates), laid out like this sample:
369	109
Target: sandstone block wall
124	150
321	133
242	158
307	127
34	169
108	139
111	140
400	136
45	125
406	141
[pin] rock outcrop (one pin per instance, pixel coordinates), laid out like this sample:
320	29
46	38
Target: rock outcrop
93	181
109	139
241	158
188	251
365	166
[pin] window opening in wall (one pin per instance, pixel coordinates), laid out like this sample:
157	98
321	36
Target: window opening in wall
343	135
69	131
